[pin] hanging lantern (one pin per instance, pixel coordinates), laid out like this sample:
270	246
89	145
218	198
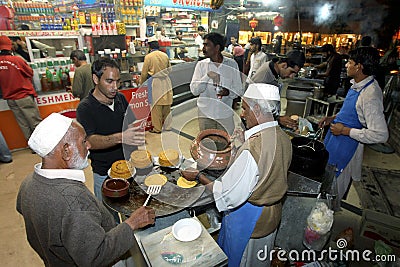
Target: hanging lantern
253	23
278	20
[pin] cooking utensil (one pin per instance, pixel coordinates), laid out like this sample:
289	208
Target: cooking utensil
317	135
212	149
152	190
306	161
309	145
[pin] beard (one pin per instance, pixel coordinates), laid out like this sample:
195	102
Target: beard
78	162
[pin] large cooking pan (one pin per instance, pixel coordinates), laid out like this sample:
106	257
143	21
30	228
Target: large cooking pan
308	72
300	90
309	157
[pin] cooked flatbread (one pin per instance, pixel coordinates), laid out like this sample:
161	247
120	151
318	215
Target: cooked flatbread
155	179
121	169
182	182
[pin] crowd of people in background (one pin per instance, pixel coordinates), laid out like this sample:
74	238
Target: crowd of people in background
106	130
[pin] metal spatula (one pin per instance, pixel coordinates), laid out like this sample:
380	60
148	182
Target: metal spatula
152	190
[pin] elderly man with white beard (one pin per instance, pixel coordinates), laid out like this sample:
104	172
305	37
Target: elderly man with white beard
65	223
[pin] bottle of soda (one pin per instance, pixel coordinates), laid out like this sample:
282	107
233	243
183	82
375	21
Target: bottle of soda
56	80
49	79
46	86
65	81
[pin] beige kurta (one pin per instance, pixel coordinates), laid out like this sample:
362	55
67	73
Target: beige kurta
272	150
156	64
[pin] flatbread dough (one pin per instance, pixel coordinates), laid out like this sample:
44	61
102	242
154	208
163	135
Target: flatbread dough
182	182
155	179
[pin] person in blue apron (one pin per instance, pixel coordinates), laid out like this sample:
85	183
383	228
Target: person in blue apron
249	193
360	121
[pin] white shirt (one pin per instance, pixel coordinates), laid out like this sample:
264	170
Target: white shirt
238	182
70	174
230	48
199	41
256	60
201	85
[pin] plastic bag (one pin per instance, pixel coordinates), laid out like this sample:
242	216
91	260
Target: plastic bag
319	224
305	126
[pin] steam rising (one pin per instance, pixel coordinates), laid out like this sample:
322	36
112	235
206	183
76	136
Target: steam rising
369	13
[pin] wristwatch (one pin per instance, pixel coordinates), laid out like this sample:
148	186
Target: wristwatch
197	178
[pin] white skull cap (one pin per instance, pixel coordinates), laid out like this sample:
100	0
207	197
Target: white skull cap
262	91
49	133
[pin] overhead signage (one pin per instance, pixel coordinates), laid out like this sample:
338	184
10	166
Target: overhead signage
185	4
57	98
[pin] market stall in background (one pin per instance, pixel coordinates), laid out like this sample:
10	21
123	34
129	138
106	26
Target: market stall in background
120	29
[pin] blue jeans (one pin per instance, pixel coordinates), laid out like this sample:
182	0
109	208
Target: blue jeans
98	182
5	154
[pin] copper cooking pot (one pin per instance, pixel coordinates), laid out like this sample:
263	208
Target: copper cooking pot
212	149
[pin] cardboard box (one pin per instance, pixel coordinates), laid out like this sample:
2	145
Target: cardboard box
380	226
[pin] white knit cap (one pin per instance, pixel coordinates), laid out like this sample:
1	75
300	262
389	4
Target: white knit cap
262	91
49	133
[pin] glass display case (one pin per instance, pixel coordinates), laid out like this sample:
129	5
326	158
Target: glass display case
53	46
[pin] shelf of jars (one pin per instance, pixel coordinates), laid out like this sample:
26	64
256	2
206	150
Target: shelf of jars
184	21
129	11
38	33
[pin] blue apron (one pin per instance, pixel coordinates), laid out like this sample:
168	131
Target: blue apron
341	148
236	229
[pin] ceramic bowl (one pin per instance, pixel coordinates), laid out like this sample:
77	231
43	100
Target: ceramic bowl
186	230
115	187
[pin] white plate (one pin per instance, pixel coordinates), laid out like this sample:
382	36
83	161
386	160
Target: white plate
181	159
186	230
133	173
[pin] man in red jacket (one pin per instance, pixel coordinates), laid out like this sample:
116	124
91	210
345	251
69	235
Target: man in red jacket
17	88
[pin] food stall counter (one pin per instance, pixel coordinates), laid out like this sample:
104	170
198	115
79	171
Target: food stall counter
61	102
64	103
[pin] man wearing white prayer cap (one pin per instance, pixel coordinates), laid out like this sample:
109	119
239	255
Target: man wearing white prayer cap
65	223
48	133
252	188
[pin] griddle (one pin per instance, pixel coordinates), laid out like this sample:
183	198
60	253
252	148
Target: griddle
171	199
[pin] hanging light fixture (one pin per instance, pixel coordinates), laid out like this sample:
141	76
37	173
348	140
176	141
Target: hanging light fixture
278	20
253	23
